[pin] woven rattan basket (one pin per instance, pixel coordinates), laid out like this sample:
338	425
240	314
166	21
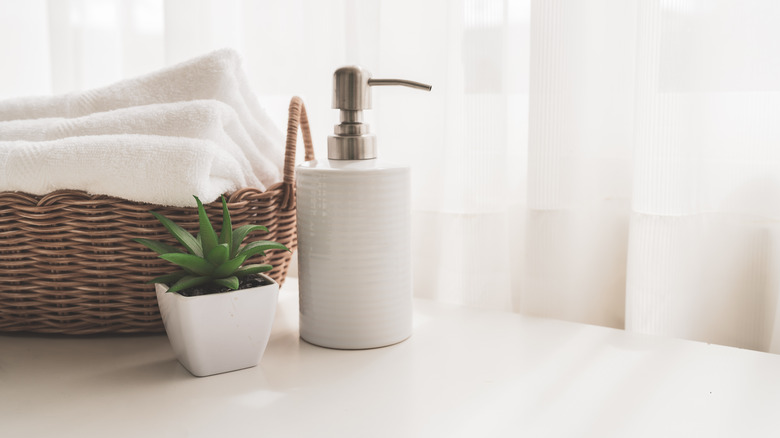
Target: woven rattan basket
68	264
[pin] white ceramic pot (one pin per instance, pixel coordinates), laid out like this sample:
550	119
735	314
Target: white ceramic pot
212	334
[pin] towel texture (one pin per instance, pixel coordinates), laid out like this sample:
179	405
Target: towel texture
203	106
146	168
203	119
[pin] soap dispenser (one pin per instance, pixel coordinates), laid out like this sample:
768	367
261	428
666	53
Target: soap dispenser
354	231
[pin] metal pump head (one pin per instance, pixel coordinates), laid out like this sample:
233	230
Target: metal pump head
351	95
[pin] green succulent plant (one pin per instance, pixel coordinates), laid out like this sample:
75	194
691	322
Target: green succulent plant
209	259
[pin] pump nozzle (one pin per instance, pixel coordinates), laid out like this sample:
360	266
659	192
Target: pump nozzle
351	95
404	82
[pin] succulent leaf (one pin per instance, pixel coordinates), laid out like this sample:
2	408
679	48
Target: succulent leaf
212	258
226	235
207	235
240	233
229	267
252	269
182	235
189	262
218	255
158	247
229	282
260	247
169	278
188	282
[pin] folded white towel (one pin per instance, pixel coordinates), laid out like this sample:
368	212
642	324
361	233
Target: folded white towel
203	119
145	168
218	75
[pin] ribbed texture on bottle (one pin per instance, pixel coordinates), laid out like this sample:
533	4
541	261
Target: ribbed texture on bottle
354	257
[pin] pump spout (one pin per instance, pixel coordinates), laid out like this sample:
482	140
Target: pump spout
406	83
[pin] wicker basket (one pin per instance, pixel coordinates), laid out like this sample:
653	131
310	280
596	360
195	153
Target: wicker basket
68	264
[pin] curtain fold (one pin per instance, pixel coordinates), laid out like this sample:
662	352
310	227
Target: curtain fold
706	173
610	162
579	160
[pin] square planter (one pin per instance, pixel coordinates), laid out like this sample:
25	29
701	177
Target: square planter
217	333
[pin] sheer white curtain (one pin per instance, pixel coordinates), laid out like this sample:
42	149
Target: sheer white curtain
654	167
706	200
614	162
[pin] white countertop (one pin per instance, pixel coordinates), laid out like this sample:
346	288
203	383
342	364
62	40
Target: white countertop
464	373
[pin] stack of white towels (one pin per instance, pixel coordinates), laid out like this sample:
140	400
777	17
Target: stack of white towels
195	128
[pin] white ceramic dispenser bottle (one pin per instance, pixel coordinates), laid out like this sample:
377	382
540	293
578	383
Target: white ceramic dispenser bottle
354	237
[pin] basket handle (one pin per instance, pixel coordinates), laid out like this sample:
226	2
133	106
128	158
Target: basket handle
296	117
